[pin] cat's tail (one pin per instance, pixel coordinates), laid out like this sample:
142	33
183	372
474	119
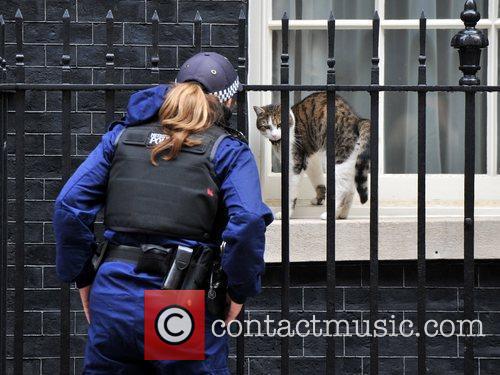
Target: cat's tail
363	160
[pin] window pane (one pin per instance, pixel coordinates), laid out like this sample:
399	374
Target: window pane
403	9
308	55
320	9
445	111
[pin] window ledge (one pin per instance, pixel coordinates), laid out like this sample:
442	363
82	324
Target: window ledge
397	238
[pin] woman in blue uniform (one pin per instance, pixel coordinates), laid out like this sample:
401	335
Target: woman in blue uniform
168	175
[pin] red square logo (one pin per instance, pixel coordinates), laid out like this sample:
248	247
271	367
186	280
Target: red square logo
174	324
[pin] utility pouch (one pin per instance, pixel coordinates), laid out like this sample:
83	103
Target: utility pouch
99	255
216	303
199	269
173	280
154	260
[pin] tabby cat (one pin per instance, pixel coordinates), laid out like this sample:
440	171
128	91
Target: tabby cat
308	148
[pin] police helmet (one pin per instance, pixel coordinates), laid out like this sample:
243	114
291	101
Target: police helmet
214	72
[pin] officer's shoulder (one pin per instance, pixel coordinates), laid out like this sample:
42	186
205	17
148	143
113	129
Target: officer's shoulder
231	146
115	131
232	142
234	134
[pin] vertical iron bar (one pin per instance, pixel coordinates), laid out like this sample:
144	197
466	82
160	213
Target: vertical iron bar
421	300
3	206
374	108
19	257
110	68
469	42
470	113
285	193
330	194
64	350
242	73
243	127
298	42
155	51
197	32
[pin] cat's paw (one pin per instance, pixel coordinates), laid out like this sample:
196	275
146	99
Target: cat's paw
323	217
279	215
317	202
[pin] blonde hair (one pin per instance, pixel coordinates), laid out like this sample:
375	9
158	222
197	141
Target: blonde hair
186	110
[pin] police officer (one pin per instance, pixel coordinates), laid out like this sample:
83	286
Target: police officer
170	174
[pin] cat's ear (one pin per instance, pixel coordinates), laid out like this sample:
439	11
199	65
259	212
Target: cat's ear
258	110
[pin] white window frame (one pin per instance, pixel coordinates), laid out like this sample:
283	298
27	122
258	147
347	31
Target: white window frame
442	189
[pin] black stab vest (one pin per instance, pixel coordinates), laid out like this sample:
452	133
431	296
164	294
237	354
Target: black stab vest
178	198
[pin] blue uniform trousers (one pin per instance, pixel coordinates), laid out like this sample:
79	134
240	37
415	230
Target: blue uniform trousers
116	334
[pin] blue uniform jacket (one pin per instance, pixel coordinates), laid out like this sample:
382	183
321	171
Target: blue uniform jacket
84	195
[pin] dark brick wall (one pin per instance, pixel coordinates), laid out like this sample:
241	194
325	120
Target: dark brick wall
42	32
307	297
397	297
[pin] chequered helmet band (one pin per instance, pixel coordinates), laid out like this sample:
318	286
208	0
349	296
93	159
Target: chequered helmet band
228	92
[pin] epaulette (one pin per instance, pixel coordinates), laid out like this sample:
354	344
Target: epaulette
235	133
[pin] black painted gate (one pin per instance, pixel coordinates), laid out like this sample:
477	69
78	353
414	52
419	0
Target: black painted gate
468	42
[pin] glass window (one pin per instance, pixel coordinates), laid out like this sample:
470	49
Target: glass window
399	65
445	111
308	56
320	9
449	9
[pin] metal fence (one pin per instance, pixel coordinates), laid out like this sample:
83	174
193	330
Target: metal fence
468	41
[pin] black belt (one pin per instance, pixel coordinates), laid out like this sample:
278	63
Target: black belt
181	267
124	253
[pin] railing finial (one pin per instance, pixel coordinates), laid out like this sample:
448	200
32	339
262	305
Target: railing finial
330	62
19	39
155	16
197	17
242	26
197	32
2	38
469	43
470	16
66	58
155	54
110	56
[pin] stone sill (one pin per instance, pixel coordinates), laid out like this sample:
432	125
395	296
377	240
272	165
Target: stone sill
397	235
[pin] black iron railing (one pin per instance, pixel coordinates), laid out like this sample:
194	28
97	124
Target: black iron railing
468	42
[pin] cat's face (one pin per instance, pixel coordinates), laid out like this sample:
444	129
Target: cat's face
269	122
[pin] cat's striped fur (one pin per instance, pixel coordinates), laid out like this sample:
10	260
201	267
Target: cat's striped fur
308	145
